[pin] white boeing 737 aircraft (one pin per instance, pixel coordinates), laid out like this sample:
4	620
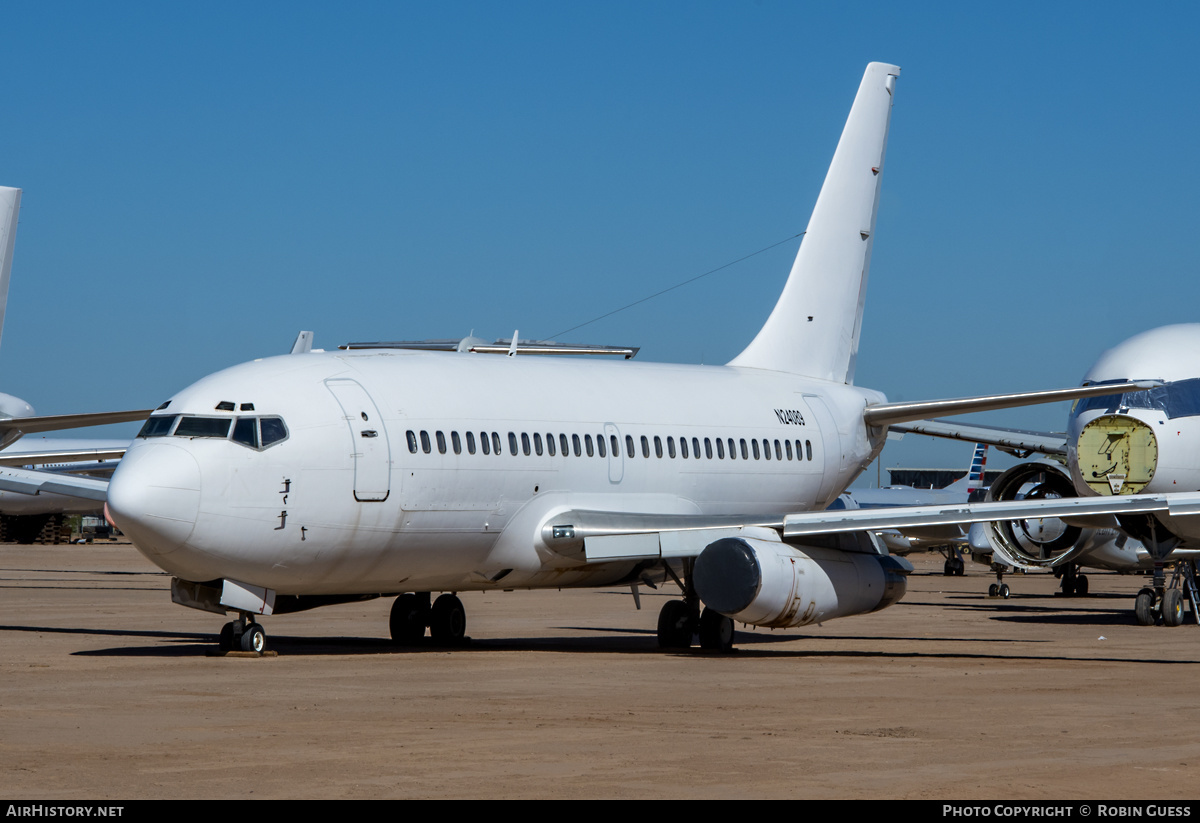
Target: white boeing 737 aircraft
322	477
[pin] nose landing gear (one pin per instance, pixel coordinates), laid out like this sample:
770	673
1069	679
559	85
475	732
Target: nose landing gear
242	635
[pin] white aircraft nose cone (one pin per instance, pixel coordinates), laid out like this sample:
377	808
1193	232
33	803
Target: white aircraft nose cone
154	497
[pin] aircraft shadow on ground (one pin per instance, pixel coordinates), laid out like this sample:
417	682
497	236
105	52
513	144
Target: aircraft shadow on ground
747	645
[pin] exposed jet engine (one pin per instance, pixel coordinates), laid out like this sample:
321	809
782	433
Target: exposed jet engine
1041	543
769	583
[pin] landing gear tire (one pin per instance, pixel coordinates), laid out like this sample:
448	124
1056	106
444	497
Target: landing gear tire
947	568
675	625
960	568
716	631
447	620
407	620
1004	590
1172	607
994	590
1143	607
953	567
254	639
226	642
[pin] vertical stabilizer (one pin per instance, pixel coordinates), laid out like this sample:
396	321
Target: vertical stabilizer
814	328
10	205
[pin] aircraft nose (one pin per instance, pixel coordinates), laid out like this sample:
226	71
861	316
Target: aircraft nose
154	497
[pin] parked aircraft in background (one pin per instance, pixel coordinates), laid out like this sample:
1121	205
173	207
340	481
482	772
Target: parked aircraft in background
949	539
23	515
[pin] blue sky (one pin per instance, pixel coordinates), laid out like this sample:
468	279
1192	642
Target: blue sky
202	181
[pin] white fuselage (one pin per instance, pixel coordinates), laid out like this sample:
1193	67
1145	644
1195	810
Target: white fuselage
368	493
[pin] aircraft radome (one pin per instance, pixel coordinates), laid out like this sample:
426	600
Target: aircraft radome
323	477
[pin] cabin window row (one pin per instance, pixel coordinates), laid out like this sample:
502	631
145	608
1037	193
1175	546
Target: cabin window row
553	445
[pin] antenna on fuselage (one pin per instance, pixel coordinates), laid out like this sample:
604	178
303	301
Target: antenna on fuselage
814	328
512	349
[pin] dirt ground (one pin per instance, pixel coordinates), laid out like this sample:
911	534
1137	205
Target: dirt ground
107	691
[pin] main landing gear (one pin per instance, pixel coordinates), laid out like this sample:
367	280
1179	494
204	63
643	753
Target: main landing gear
954	565
680	620
412	613
243	635
1073	583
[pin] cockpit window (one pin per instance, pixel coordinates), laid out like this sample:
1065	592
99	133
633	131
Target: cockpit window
159	426
203	427
273	430
1178	399
245	431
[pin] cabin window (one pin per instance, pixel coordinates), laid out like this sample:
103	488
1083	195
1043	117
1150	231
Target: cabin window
203	427
745	453
696	447
575	443
496	443
708	448
754	446
808	448
683	450
537	444
720	449
657	446
616	447
600	446
441	441
587	442
788	444
778	451
565	448
425	447
550	444
629	445
245	431
470	442
411	437
766	448
158	426
483	443
732	450
525	444
512	443
671	447
455	443
645	447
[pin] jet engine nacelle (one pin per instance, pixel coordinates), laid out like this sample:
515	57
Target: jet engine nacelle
769	583
1035	543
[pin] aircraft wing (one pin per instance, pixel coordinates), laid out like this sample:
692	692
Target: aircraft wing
28	481
57	422
1019	442
86	457
1073	510
596	536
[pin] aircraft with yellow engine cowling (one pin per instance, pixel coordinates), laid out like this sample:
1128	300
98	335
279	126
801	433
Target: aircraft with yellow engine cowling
322	477
1124	444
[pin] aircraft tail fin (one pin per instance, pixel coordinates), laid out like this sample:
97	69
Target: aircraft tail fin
10	207
814	328
973	481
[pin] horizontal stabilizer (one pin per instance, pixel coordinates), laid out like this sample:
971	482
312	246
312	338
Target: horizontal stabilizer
887	414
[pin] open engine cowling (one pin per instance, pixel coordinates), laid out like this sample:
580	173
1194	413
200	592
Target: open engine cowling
769	583
1036	542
